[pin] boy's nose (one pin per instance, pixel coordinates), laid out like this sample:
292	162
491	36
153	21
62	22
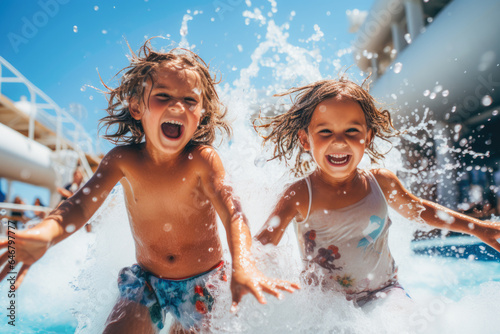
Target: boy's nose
176	105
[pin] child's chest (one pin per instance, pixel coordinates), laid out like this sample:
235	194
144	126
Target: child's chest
330	198
157	192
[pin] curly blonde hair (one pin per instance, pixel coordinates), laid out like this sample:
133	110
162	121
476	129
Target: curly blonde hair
284	128
143	67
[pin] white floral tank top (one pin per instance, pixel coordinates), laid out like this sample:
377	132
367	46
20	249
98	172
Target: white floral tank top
348	247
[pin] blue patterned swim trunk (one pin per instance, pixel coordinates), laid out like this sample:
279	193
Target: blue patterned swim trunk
188	300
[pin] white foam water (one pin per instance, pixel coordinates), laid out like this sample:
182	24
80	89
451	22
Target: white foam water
80	274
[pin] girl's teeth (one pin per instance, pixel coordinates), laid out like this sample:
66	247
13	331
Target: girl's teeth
338	159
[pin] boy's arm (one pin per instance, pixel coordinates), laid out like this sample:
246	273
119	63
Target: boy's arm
283	213
30	245
420	210
245	276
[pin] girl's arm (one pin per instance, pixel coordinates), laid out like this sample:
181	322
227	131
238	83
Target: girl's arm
420	210
30	245
283	213
246	277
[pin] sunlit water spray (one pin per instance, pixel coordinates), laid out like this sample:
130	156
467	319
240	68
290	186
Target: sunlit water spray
448	295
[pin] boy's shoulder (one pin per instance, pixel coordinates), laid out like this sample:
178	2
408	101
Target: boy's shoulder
123	151
122	154
204	157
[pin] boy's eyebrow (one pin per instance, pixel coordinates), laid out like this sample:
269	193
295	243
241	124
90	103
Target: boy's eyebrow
161	86
156	86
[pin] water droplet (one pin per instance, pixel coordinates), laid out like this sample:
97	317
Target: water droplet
94	199
70	228
190	156
91	97
25	174
183	179
432	96
99	175
197	91
83	88
486	100
78	201
427	92
270	229
260	161
445	93
210	249
96	8
75	29
408	38
309	257
494	112
397	67
3	212
292	193
86	190
322	108
104	31
167	227
362	141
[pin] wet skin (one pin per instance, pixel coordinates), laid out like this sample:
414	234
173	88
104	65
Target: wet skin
337	137
173	195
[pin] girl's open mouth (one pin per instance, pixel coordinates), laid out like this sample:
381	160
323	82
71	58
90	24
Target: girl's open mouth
338	160
172	129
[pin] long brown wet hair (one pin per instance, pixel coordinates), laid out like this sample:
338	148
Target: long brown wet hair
282	130
143	67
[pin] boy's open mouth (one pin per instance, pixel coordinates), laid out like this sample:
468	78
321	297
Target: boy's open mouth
338	159
172	129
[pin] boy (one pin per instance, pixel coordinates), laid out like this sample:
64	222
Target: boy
167	110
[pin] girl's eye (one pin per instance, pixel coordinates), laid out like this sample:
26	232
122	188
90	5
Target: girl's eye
352	130
325	131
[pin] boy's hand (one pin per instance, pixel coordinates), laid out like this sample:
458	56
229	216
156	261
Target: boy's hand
26	247
253	281
488	232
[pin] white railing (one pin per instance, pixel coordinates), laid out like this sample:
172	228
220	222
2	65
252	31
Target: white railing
48	113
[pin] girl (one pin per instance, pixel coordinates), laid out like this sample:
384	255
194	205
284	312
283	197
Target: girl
339	211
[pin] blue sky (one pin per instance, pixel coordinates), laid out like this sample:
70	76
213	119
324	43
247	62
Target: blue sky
60	44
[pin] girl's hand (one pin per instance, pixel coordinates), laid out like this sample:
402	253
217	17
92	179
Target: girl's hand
253	281
26	247
488	232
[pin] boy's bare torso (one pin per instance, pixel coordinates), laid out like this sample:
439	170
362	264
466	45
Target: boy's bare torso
173	223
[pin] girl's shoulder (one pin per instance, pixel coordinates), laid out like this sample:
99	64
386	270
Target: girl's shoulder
386	179
298	194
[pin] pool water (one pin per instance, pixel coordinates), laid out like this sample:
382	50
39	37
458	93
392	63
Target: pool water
73	288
